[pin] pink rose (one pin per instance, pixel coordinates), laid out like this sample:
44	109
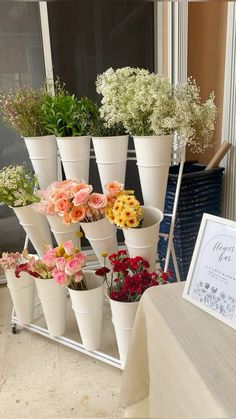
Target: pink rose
81	185
69	247
81	197
97	200
62	205
60	263
81	257
77	214
49	258
78	277
59	276
72	266
114	187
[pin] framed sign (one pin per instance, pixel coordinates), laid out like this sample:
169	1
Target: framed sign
211	281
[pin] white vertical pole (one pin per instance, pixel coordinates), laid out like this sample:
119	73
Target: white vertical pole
46	44
229	121
158	37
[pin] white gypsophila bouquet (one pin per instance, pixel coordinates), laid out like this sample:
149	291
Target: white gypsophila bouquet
194	120
17	186
130	96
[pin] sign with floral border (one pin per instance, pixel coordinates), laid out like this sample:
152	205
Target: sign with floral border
211	281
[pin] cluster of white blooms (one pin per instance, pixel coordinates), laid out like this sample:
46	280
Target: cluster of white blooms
129	97
194	120
146	104
17	186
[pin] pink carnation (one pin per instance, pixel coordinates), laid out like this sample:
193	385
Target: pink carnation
97	200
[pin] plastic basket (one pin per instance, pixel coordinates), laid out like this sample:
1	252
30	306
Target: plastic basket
201	191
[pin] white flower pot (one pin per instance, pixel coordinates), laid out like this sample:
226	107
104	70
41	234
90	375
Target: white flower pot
143	241
35	226
123	316
153	159
43	155
111	157
88	309
101	235
63	232
53	300
75	156
22	292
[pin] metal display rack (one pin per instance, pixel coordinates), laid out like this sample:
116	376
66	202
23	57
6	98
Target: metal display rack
178	157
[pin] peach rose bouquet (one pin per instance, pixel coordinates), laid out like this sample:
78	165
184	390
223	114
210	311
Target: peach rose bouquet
73	201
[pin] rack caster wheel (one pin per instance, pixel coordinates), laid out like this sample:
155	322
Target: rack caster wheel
14	329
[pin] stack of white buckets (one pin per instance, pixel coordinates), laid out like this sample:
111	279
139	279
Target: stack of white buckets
153	159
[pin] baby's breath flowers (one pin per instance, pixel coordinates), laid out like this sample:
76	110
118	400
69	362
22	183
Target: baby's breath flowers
22	110
146	104
18	186
129	97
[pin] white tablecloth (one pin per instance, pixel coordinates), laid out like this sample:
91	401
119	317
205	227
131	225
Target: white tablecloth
180	356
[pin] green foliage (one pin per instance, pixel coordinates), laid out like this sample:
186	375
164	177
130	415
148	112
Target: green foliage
66	116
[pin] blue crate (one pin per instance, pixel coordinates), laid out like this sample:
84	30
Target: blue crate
201	191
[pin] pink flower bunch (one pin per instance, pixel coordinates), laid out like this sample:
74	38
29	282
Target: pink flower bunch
64	263
10	260
75	200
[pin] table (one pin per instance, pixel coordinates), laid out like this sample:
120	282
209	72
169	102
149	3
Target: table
180	356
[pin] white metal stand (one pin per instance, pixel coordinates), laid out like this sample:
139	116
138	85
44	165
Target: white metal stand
179	157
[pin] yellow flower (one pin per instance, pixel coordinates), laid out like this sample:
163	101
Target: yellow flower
104	254
118	206
60	250
119	221
132	222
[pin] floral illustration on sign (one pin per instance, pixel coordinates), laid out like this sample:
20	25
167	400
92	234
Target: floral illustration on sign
215	299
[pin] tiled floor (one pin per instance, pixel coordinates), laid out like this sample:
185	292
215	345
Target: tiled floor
39	377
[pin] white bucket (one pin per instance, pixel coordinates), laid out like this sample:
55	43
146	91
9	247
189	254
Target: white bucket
123	316
22	292
63	232
53	300
35	226
101	235
75	156
111	157
43	155
88	309
153	159
143	241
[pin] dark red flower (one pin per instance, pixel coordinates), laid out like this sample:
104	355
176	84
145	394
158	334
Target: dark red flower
23	267
102	271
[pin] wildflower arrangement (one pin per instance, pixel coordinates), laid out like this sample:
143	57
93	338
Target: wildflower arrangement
64	115
63	263
72	200
146	104
18	186
122	209
10	260
129	277
22	110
